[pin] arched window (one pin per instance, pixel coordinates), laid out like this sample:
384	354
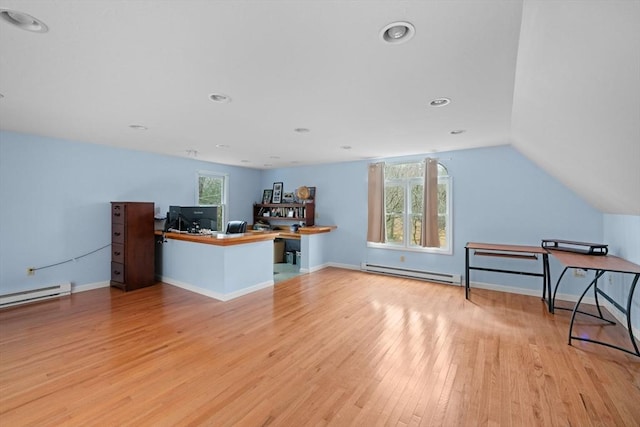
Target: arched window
404	207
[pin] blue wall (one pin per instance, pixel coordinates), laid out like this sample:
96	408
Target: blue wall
498	196
56	195
622	233
55	205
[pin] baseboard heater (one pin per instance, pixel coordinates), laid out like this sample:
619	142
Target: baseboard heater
35	295
413	274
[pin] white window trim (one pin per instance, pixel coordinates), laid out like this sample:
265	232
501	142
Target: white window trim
441	251
225	193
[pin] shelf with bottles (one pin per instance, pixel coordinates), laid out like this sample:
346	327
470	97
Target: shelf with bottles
297	212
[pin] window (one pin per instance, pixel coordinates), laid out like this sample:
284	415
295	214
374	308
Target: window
403	207
211	190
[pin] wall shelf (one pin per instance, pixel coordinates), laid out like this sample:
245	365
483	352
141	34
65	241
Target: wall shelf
291	212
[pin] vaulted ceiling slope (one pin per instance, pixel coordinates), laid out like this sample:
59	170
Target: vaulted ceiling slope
576	108
557	79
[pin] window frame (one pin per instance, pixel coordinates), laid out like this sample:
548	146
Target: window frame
223	207
407	184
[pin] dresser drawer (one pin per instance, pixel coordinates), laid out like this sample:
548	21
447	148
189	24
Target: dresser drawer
117	253
117	272
118	213
117	233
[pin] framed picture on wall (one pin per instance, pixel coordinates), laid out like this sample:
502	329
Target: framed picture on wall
266	196
277	193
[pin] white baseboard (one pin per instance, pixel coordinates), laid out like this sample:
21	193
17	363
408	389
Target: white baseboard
317	268
345	266
529	292
216	295
89	287
620	317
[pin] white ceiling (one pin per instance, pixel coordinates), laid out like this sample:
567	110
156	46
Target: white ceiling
105	65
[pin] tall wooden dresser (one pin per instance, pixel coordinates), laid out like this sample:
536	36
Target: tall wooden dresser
132	245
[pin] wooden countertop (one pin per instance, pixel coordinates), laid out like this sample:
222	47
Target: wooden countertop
286	234
221	239
250	236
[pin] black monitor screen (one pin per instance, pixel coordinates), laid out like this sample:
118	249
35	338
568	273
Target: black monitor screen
192	218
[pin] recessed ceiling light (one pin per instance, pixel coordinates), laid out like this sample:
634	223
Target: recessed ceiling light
222	146
302	130
397	32
440	102
346	147
220	97
138	127
457	131
24	21
1	96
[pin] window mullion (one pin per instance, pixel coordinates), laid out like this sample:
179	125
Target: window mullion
407	212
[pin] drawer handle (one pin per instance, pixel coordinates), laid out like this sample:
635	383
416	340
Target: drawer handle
116	253
116	273
117	233
116	214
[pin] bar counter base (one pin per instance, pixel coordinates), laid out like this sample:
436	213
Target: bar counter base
221	271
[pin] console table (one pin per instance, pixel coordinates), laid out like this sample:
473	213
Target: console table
510	251
600	264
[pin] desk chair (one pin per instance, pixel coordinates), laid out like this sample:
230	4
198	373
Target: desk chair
234	227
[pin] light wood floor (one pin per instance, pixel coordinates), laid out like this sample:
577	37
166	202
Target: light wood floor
335	347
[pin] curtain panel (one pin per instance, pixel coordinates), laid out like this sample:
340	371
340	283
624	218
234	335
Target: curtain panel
375	224
429	237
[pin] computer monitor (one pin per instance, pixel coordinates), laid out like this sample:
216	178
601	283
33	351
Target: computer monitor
192	218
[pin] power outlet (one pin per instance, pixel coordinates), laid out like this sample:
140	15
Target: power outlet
31	271
401	258
578	272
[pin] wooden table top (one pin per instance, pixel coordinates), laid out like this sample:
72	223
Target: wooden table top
506	248
595	262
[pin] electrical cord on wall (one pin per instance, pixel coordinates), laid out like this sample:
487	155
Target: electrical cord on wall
71	259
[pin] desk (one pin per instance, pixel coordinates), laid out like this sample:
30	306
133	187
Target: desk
302	231
510	251
314	245
600	264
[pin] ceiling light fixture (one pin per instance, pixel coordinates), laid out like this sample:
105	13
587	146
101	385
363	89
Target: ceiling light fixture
440	102
138	127
302	130
397	32
346	147
23	21
220	97
222	146
457	131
